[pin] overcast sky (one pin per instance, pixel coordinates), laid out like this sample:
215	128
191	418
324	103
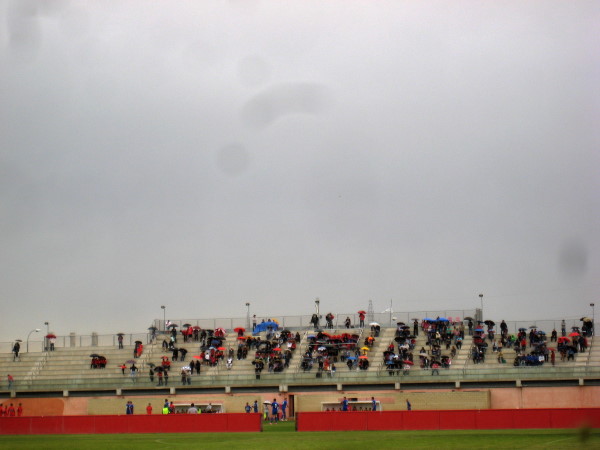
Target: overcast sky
202	154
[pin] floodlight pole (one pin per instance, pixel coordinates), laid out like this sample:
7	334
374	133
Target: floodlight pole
164	308
593	319
36	330
248	316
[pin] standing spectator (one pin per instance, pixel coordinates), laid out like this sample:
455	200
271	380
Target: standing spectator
255	406
151	375
284	406
563	328
315	321
361	318
2	410
165	409
10	412
20	410
166	377
129	408
192	409
253	322
373	404
408	405
348	322
16	349
345	404
160	377
415	327
149	409
247	408
10	379
52	341
120	340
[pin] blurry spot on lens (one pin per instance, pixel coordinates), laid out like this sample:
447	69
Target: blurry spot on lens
285	99
573	258
233	159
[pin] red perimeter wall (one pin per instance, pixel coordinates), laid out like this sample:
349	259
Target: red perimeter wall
489	419
175	423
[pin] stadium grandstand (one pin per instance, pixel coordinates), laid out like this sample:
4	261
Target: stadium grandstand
233	360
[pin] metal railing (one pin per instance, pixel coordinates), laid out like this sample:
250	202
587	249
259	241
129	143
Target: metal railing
225	378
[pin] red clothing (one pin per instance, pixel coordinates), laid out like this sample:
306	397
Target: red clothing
19	411
11	411
149	409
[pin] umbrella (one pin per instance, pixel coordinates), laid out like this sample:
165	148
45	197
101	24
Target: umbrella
399	323
429	319
186	325
152	328
221	348
373	324
574	333
242	338
389	363
120	334
130	361
586	319
186	368
491	323
277	349
363	357
151	365
239	329
158	369
414	318
94	355
321	348
443	319
468	318
362	312
197	357
478	329
266	402
551	349
351	358
196	327
18	340
365	348
410	363
50	336
172	325
222	330
522	329
138	342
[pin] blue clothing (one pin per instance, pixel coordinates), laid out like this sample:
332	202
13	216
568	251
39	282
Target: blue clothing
374	403
284	405
129	408
248	408
274	408
345	405
255	407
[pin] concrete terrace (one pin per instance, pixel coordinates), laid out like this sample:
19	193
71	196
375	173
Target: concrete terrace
66	371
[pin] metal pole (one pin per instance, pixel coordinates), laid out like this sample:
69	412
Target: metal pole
593	319
481	299
164	308
36	330
247	315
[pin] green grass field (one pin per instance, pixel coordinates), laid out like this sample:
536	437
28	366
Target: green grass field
283	435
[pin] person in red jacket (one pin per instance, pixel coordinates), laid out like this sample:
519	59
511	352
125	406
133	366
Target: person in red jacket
11	411
149	408
20	410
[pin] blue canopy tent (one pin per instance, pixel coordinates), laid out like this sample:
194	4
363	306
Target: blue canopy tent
265	325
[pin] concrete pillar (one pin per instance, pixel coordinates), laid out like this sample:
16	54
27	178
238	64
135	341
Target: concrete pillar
340	387
119	391
283	388
457	384
581	382
94	339
228	389
172	391
65	393
72	339
518	383
397	386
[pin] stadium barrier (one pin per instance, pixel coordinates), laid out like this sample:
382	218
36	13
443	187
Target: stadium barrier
489	419
173	423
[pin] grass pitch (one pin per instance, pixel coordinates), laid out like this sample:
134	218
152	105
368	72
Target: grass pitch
283	435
